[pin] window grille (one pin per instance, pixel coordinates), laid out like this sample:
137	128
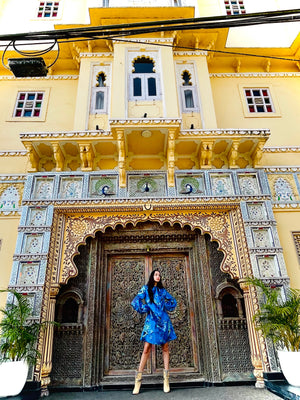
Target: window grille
259	100
29	104
48	9
234	7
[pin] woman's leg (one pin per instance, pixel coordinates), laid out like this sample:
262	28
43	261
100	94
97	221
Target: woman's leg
138	375
166	355
145	356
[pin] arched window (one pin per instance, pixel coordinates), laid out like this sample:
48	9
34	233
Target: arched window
186	79
230	302
101	80
229	306
69	308
143	65
70	311
188	93
143	80
100	94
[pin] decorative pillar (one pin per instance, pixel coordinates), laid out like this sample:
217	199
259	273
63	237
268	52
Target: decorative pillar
48	343
33	158
258	153
86	157
233	154
206	154
171	158
254	337
58	157
121	160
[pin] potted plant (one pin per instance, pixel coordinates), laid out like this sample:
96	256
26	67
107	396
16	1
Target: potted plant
18	340
278	318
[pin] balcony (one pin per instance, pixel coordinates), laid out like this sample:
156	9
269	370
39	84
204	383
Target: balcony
144	145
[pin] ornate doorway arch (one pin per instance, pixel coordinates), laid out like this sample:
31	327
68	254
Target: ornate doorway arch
71	227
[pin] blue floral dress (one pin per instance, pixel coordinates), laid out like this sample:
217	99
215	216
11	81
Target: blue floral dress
158	328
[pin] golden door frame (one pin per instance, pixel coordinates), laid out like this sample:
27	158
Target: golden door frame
73	224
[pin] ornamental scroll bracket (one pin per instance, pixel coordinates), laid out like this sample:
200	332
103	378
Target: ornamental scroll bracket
78	227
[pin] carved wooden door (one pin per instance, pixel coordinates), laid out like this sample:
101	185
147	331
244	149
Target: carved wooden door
126	275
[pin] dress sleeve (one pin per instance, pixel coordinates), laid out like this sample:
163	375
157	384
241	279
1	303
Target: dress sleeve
170	302
138	304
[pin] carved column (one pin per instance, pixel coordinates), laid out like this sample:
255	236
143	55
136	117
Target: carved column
258	153
86	157
58	157
33	158
256	354
48	343
121	163
206	154
233	154
171	158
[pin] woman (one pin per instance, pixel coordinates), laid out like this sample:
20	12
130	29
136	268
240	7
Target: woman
154	300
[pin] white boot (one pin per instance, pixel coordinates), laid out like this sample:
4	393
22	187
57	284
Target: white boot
137	383
166	381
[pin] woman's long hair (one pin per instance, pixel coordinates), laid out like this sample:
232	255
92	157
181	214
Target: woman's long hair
151	283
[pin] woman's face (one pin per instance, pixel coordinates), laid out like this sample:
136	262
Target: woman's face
156	276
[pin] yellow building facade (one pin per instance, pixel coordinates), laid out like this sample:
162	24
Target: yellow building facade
175	149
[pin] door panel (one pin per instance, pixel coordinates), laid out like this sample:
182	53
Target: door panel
126	275
175	273
123	325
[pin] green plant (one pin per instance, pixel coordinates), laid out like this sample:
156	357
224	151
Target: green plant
19	334
278	318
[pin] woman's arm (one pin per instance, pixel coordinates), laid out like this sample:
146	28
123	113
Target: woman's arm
170	302
138	304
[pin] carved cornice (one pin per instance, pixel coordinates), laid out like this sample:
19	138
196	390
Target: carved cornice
145	40
13	178
65	135
260	224
10	213
206	202
13	153
96	55
286	206
282	280
282	149
226	132
280	169
265	250
26	289
145	121
255	75
30	257
190	53
47	78
34	229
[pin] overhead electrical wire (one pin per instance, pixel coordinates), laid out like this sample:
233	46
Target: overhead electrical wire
227	21
119	31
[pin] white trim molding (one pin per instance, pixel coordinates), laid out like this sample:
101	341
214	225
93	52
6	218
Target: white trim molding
255	75
13	153
47	78
282	149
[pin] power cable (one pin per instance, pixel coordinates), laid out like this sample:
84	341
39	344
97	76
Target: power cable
112	32
164	25
32	53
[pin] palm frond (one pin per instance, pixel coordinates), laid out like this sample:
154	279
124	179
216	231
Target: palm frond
18	332
278	318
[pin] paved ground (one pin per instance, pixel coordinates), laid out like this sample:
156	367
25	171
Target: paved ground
208	393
